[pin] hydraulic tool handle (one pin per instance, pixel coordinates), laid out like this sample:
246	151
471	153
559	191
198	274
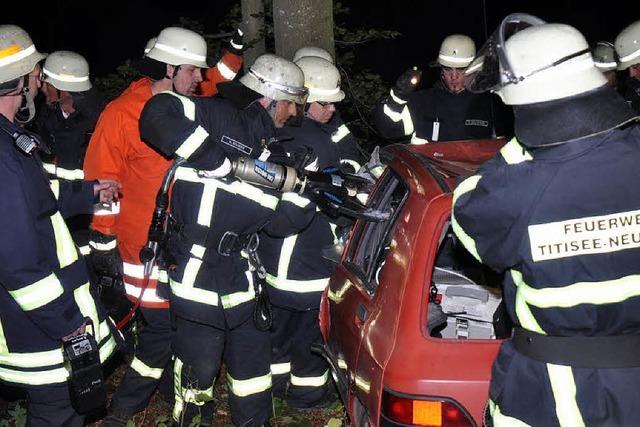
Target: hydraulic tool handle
266	174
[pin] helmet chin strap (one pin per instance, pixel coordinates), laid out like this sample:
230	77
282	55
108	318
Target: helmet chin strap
27	110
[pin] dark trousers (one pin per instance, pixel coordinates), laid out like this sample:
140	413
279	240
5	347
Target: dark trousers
51	406
300	376
152	357
199	350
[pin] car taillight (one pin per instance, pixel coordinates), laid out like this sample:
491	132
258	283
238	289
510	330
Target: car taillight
421	412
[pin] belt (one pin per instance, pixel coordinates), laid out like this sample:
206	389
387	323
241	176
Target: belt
617	351
226	242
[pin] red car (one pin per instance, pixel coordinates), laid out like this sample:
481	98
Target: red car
411	321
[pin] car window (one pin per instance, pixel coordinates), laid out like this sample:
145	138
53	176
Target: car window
367	255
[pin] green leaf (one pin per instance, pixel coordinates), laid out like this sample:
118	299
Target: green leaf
334	422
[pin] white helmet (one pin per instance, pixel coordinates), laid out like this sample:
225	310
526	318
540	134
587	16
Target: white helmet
276	78
149	45
604	56
312	51
179	46
628	46
322	78
68	71
456	51
18	56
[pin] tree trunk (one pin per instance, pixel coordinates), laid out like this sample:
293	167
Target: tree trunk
298	23
253	25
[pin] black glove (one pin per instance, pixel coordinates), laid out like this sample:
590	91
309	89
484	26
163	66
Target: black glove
407	82
236	44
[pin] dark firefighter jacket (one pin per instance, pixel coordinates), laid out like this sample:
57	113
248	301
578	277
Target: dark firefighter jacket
436	114
296	269
563	222
45	287
206	286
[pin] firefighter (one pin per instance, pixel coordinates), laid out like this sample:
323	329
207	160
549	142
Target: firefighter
45	295
557	211
444	112
606	59
66	122
628	50
350	156
213	294
120	231
297	272
226	68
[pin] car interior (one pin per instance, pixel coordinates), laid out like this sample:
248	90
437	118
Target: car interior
465	296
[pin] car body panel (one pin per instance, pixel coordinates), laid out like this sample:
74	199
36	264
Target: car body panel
390	348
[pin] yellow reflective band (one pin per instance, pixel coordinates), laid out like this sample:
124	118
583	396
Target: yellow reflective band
206	203
84	250
39	293
193	294
464	187
404	116
297	286
310	381
514	153
342	364
50	376
242	388
107	349
340	133
604	292
500	420
198	251
50	168
87	307
280	368
564	394
69	174
178	406
65	248
32	360
191	272
188	105
237	187
396	98
3	341
225	71
525	316
55	188
145	370
192	143
295	199
286	252
362	384
237	298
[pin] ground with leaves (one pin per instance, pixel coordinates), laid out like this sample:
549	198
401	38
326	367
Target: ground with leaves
158	413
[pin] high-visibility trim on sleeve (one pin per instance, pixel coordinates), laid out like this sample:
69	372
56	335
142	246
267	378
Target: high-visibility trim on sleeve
242	388
145	370
464	187
69	174
192	143
415	140
65	248
404	116
39	293
355	165
296	199
396	98
50	168
188	106
514	153
225	71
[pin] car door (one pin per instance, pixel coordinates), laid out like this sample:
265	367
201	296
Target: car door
353	296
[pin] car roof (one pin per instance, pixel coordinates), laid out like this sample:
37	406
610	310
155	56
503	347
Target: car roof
447	161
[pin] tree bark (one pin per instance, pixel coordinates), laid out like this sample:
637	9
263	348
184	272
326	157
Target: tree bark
253	26
299	23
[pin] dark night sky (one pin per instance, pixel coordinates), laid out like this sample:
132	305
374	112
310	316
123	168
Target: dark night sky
118	30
